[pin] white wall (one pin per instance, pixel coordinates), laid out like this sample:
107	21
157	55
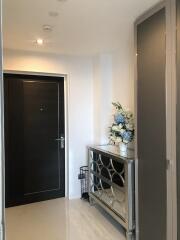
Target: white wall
102	96
113	76
79	72
123	73
94	83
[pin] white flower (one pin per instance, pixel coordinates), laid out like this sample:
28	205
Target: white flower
118	139
120	111
122	131
113	138
120	126
115	128
130	126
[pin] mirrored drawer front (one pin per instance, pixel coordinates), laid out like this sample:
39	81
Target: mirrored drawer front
107	182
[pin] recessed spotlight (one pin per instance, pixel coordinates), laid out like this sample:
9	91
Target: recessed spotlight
47	28
39	41
53	14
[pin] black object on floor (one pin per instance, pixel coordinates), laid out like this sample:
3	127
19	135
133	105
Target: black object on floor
83	177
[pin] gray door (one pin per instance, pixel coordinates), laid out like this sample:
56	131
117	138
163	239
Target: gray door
178	117
151	118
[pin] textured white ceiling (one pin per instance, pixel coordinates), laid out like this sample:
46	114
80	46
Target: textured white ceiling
83	26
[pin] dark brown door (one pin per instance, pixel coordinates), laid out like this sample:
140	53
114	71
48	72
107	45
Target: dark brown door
34	133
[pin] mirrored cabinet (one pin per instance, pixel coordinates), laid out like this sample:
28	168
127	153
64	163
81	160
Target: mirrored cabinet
111	184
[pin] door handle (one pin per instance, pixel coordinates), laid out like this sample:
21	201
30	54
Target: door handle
62	141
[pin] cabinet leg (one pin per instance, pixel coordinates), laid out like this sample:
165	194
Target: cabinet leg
130	235
91	201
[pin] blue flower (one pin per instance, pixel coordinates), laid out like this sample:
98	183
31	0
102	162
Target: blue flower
127	136
119	118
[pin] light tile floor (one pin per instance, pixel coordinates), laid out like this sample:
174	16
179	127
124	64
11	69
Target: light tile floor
61	219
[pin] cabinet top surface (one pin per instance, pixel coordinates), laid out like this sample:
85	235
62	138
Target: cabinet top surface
114	151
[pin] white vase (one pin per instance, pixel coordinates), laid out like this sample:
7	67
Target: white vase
123	147
131	145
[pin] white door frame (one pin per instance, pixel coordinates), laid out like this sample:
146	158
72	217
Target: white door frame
2	163
66	113
170	113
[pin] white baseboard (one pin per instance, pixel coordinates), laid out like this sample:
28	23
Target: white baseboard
74	197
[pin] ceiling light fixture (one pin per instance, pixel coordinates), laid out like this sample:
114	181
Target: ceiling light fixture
39	41
47	28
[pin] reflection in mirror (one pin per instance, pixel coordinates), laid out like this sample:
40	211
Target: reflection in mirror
65	61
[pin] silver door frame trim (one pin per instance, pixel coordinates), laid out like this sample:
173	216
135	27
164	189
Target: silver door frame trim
149	13
170	7
171	118
2	152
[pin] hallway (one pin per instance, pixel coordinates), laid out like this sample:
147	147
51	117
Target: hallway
61	219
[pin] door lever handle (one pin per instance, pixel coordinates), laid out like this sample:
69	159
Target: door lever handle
62	141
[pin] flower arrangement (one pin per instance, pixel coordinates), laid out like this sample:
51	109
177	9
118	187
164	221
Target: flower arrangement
122	129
